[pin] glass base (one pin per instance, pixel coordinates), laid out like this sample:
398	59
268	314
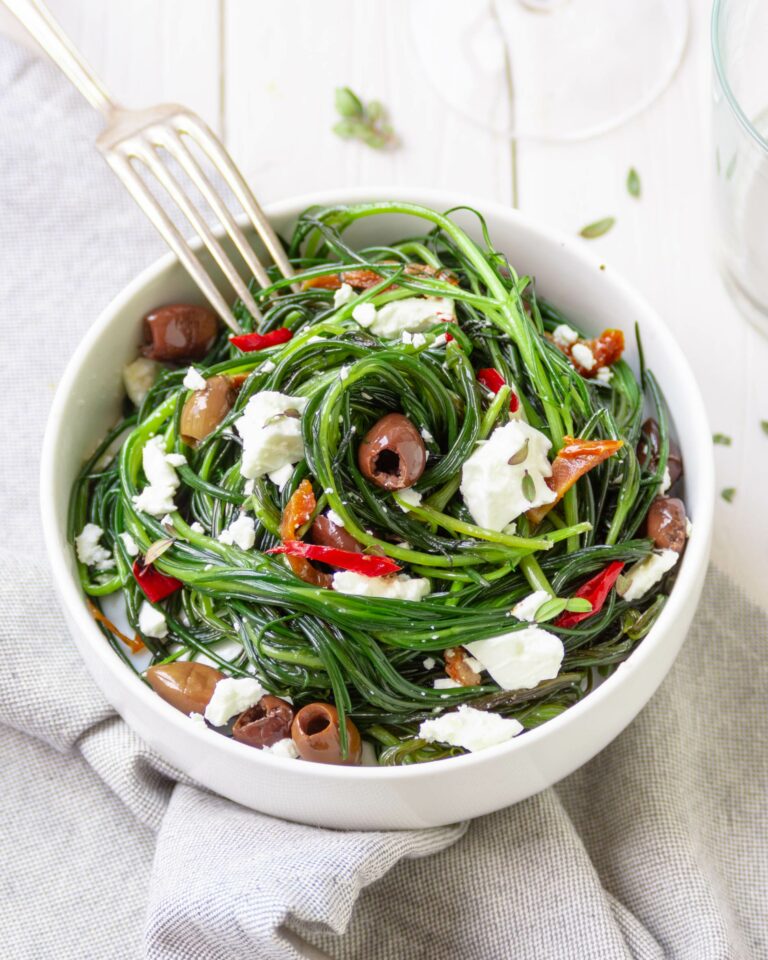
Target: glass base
748	307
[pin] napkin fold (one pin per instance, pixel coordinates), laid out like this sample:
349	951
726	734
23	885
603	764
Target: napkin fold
657	848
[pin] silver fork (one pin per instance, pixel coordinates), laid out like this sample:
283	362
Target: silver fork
134	139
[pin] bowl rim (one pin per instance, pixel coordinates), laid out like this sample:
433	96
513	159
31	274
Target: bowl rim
696	554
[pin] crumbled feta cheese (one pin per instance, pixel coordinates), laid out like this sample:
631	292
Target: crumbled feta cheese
283	748
230	696
429	663
199	721
492	487
250	486
139	378
89	550
413	339
426	435
131	547
604	374
334	518
267	367
445	683
197	527
167	521
176	459
645	574
564	335
157	497
526	608
470	728
413	314
522	659
400	587
280	477
241	532
583	356
510	529
410	496
152	622
666	482
271	435
440	340
343	295
193	380
364	314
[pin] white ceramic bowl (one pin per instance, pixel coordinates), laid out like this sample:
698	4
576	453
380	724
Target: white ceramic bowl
87	403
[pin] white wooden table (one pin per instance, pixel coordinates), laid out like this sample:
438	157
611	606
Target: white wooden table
262	72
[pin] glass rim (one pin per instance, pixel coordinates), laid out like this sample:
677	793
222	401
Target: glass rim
730	96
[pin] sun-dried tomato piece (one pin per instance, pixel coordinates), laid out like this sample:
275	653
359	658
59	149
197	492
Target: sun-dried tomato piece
605	349
363	278
297	513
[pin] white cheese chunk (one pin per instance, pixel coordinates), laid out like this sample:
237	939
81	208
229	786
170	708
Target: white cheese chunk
564	335
413	339
193	380
426	435
604	374
401	587
492	487
343	295
199	721
271	433
334	518
282	476
267	367
411	314
526	608
89	550
283	748
410	496
429	663
646	574
231	696
666	482
131	547
470	728
241	532
175	459
440	340
157	497
197	527
522	659
445	683
139	378
364	314
152	622
583	356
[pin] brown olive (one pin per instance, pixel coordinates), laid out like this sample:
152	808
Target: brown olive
186	685
264	723
315	731
392	454
648	451
666	524
206	408
180	331
326	533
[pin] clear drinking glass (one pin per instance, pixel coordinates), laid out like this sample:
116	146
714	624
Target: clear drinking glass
740	88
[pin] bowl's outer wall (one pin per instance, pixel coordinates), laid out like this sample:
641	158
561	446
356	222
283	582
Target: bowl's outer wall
87	404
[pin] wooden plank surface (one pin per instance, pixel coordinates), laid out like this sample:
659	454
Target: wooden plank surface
264	71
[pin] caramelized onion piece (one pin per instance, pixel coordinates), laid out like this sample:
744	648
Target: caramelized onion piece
315	732
392	454
264	723
666	524
186	685
205	409
179	332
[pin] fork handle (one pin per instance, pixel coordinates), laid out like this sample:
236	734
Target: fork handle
38	20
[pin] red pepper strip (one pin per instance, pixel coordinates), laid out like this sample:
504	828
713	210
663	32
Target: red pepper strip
595	590
155	585
250	342
364	563
494	381
575	458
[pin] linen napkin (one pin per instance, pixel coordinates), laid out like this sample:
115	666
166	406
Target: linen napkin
657	848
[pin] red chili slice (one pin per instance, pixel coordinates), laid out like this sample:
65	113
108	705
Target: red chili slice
155	585
596	591
493	381
250	342
364	563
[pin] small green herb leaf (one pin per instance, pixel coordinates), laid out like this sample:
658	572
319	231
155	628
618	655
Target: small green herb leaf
728	494
722	438
348	103
578	605
550	609
529	487
764	425
598	228
633	183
